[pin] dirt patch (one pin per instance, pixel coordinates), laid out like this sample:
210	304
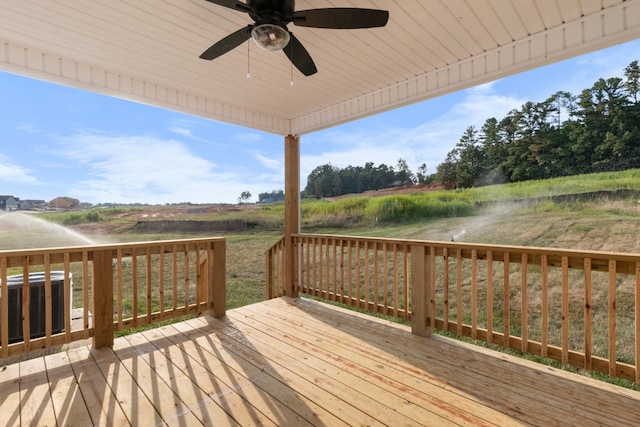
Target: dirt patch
191	226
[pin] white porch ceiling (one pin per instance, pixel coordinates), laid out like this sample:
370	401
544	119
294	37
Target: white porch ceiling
147	51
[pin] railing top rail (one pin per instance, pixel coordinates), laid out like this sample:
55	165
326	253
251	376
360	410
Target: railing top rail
110	246
275	245
530	250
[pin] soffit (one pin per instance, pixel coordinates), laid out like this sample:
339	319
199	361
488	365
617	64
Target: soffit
147	51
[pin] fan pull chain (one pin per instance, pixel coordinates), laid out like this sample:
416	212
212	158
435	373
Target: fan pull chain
291	64
248	59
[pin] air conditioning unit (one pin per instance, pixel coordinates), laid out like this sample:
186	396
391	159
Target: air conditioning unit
37	321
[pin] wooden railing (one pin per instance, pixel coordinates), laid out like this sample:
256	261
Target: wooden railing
93	291
581	308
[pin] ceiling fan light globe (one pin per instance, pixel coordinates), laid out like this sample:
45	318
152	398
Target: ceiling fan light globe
270	36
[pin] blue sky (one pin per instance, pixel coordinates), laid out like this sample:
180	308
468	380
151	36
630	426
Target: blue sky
58	141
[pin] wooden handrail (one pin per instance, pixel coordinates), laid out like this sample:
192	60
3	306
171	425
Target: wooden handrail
578	307
115	287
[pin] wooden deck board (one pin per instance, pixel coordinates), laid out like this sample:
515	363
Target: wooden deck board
300	363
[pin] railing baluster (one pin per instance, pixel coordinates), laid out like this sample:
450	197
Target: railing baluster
67	298
174	274
445	290
342	289
376	284
148	281
4	309
120	305
474	293
357	275
396	280
524	310
565	310
612	317
367	275
309	265
134	286
490	297
350	271
335	269
315	267
459	291
161	281
588	313
85	294
544	336
186	277
385	278
637	323
407	284
506	302
26	324
48	309
432	287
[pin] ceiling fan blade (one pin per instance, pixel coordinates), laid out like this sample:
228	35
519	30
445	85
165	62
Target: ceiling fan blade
228	43
341	18
232	4
299	56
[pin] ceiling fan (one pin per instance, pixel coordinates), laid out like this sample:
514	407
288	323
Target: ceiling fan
270	32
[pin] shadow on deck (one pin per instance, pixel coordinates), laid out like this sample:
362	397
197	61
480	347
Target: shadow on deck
300	362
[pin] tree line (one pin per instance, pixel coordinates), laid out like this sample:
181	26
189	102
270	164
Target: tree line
566	134
329	180
595	131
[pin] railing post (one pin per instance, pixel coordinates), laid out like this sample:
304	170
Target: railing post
218	279
102	298
269	274
420	292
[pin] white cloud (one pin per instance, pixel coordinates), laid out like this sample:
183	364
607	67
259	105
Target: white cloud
428	142
10	172
182	128
181	131
131	169
269	163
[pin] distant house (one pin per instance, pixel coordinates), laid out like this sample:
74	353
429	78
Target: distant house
27	205
9	203
64	203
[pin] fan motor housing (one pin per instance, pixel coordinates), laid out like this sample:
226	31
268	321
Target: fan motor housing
265	10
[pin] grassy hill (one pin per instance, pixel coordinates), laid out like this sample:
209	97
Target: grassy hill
598	212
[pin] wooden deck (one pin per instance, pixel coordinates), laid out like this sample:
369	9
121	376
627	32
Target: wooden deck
299	362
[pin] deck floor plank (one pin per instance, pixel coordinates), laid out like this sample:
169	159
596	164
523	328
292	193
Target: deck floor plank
421	399
416	364
10	395
67	400
208	397
303	396
297	362
237	393
101	403
393	404
138	409
137	356
35	394
282	354
490	375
